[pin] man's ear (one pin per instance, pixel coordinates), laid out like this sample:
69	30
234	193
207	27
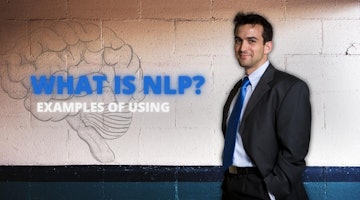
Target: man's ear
268	47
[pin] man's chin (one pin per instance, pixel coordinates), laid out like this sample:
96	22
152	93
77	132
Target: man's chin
243	65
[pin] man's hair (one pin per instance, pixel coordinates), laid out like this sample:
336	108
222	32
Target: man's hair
252	18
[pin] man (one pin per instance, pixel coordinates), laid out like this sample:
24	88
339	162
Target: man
267	134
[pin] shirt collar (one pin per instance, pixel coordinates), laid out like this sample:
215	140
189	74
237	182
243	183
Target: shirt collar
256	75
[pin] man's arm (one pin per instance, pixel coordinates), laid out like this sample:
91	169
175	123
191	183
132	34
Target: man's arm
293	131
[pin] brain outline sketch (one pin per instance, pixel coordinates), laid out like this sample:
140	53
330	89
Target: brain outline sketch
70	48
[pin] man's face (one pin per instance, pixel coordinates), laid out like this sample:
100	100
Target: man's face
250	50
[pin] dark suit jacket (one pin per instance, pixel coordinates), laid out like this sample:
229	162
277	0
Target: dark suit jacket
275	131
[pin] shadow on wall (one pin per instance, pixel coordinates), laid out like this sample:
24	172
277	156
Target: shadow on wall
73	49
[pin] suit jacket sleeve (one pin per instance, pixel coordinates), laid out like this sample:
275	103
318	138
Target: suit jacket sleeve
293	126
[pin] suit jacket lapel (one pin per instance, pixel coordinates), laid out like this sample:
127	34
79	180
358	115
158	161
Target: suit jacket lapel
260	90
228	103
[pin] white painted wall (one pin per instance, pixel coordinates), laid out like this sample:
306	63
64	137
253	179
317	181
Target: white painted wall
318	41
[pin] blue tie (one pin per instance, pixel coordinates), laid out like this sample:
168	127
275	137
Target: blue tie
232	127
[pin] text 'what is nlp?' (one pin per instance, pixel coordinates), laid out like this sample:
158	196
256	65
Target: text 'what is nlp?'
125	85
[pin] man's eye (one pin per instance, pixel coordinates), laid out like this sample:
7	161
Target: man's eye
252	41
238	41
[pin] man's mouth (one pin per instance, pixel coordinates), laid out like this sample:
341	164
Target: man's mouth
244	55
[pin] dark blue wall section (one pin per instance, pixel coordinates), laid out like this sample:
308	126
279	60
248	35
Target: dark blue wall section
153	182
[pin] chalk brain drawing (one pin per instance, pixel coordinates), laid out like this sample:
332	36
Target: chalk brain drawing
73	49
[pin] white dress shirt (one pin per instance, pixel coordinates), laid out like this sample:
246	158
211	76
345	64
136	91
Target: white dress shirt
240	158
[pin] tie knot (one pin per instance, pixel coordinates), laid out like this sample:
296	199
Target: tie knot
245	82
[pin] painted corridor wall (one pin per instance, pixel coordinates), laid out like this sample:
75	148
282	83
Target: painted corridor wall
318	41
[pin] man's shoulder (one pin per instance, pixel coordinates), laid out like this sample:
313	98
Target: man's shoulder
285	78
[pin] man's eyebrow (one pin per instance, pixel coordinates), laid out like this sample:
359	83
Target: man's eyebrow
252	38
247	38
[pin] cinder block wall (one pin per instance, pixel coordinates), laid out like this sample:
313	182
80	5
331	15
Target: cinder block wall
316	40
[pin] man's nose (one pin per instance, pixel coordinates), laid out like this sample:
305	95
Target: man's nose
243	46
